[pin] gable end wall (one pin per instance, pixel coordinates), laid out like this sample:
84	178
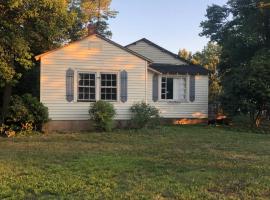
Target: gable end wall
154	53
89	55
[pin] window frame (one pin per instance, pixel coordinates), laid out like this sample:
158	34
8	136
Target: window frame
78	86
166	84
186	77
116	87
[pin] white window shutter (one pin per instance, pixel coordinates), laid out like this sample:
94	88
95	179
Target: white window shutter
124	86
70	85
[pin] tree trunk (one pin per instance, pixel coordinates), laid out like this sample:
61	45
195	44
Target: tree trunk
6	101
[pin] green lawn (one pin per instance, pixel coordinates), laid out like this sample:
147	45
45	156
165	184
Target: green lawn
191	162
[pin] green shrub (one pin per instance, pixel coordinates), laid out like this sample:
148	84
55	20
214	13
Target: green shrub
102	113
37	109
26	113
144	115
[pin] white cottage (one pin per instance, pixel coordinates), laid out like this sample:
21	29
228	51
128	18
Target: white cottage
96	68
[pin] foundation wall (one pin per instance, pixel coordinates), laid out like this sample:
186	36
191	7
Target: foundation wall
87	125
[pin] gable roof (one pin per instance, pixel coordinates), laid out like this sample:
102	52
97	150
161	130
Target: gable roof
38	57
179	69
160	48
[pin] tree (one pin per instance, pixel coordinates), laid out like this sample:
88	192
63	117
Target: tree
36	26
187	55
183	53
210	58
242	29
97	12
28	27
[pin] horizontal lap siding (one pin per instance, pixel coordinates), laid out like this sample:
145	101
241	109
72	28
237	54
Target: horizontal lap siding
153	53
80	58
196	109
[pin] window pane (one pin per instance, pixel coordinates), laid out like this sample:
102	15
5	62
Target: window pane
108	96
80	96
163	96
86	90
86	76
114	97
92	96
92	76
86	96
87	83
80	82
163	85
92	83
114	90
80	89
163	79
92	90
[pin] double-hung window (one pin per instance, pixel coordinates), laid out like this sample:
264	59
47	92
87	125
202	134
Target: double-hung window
167	88
174	88
86	86
108	86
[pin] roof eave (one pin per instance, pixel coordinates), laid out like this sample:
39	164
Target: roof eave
38	57
153	70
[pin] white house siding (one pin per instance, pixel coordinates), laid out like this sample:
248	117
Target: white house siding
91	54
196	109
155	54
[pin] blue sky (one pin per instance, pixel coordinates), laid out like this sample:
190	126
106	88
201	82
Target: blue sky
173	24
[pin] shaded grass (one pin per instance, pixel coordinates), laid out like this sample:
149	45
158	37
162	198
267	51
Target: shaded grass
190	162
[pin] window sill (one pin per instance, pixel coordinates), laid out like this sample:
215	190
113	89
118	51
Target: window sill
85	101
174	101
92	101
112	101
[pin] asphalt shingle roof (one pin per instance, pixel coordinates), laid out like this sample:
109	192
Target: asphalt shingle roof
179	69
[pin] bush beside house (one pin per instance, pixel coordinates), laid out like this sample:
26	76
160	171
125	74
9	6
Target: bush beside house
25	114
144	115
102	113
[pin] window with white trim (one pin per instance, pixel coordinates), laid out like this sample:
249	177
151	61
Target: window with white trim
108	86
174	88
167	88
86	87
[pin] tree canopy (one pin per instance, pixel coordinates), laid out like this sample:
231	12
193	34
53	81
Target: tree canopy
97	12
242	29
31	27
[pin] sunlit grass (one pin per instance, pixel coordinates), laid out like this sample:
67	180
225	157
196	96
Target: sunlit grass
191	162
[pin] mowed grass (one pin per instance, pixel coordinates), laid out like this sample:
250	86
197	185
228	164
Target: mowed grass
188	162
